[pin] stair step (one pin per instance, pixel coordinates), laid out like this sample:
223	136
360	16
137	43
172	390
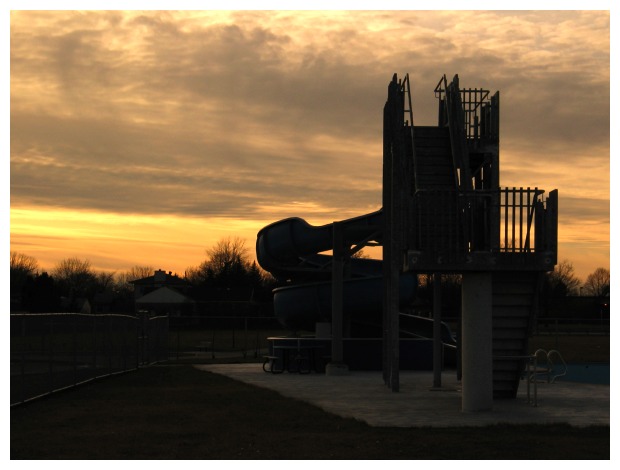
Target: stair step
428	131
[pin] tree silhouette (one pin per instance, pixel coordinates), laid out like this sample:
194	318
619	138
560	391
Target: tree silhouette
598	283
562	280
122	281
75	278
23	270
228	274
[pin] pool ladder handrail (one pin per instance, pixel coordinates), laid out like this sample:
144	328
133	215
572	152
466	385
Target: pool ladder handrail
547	369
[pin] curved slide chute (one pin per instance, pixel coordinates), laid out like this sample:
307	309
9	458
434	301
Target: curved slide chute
290	250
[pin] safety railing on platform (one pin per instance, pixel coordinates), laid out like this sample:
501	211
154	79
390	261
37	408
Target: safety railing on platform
508	220
480	111
54	351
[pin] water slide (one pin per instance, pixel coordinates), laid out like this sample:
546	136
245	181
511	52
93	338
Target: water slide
291	250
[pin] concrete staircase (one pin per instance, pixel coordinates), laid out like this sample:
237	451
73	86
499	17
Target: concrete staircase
514	296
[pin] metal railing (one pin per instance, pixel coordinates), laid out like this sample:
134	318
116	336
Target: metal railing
480	111
508	220
451	114
54	351
536	368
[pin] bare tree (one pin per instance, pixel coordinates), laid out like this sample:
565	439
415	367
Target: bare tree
123	280
105	281
23	263
563	279
135	272
76	276
598	282
227	254
23	267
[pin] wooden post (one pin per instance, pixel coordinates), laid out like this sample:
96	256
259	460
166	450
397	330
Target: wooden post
387	235
337	365
437	342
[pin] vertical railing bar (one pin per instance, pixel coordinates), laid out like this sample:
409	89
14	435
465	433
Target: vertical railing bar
526	244
521	219
514	215
529	214
505	207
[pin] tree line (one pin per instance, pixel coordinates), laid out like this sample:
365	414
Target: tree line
226	274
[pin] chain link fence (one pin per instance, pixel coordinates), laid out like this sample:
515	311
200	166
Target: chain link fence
221	338
52	352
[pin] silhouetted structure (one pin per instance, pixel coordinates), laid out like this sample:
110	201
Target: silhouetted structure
443	212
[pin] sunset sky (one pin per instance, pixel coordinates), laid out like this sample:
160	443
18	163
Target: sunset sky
142	138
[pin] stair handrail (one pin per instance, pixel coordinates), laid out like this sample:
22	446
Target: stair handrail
458	138
405	85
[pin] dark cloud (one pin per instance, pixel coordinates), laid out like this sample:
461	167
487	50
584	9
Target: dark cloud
161	113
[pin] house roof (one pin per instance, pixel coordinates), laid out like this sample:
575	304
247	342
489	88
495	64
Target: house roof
164	295
160	278
149	281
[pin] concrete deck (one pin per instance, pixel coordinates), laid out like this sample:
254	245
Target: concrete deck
363	396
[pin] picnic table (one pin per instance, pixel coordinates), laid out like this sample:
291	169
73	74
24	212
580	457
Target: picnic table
299	356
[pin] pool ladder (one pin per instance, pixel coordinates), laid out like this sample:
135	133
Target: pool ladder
547	368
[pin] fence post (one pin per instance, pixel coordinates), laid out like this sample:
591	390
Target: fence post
23	365
75	350
94	347
51	344
213	344
245	337
109	344
178	340
137	333
124	346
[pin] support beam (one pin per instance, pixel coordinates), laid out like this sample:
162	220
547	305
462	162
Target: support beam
337	365
437	342
477	337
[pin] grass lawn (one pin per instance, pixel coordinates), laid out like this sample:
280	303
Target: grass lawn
178	412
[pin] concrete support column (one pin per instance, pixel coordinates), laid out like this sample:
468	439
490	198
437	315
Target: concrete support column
337	365
477	338
437	342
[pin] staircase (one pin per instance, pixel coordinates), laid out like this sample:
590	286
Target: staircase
433	158
514	294
436	201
